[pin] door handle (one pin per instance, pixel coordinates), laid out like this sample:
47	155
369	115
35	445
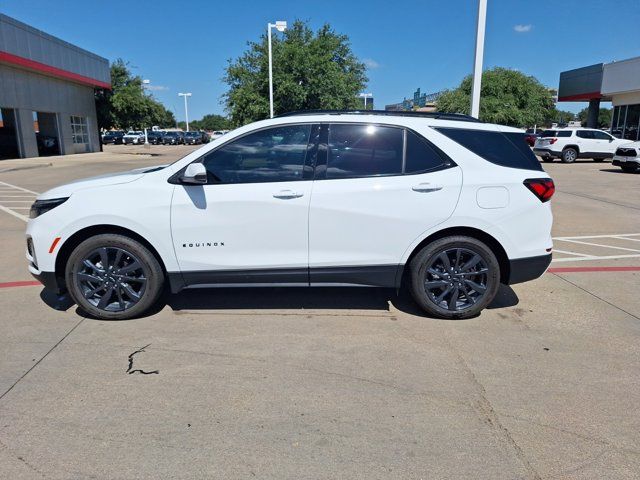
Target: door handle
287	194
426	188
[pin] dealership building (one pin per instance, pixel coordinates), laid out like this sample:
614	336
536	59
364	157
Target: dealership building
615	82
47	86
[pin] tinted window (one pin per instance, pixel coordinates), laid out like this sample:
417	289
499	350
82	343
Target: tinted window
564	133
506	149
364	151
271	155
601	136
585	134
421	155
548	133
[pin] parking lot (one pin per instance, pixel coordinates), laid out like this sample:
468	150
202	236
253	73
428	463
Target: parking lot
330	383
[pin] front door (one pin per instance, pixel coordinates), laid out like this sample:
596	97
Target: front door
381	188
249	223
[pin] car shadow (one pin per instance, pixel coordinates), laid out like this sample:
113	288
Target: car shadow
617	170
285	298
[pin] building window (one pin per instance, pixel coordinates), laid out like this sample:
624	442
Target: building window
632	122
79	129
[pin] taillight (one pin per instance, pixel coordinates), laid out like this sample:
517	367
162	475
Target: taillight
543	188
552	141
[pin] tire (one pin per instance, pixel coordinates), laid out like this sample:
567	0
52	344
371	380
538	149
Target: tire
430	259
569	155
547	159
124	299
629	168
599	160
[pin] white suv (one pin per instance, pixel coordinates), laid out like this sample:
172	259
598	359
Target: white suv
627	157
570	144
444	205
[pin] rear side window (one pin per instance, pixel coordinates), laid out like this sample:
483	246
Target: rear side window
364	151
505	149
548	133
585	134
421	155
564	133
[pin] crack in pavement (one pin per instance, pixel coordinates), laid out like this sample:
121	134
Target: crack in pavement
490	416
596	296
130	369
3	446
42	358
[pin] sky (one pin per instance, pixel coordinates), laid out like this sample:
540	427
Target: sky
185	46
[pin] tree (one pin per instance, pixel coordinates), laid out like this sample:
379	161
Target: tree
127	105
209	122
561	117
508	97
604	117
310	71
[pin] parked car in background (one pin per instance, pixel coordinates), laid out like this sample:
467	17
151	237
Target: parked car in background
627	157
47	145
389	209
192	138
154	137
569	144
133	137
530	136
113	136
173	138
204	137
217	134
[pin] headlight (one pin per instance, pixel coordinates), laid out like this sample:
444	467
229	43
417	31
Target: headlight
43	206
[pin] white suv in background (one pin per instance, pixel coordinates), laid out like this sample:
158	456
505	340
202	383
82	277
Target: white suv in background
569	144
443	205
627	157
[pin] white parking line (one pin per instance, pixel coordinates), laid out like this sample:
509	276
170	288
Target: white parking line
10	202
602	244
18	188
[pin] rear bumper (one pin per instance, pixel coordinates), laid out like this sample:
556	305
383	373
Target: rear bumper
545	152
529	268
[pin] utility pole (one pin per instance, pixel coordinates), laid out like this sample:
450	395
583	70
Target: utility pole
477	67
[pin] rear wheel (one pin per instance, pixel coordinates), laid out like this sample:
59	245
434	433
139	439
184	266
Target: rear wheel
454	277
569	155
113	277
598	159
547	159
629	168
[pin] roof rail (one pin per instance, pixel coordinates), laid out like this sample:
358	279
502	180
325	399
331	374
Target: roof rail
390	113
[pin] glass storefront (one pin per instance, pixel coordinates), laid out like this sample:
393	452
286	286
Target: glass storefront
626	122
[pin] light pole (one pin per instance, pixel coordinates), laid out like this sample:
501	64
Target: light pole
477	67
281	26
365	96
186	111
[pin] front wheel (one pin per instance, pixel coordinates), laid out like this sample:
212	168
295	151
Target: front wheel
113	277
629	168
454	277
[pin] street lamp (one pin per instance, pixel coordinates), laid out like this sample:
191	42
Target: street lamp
186	111
365	96
281	26
477	68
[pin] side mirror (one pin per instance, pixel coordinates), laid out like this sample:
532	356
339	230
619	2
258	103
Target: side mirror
195	174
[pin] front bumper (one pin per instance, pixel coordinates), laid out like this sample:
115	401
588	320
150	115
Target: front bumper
529	268
620	161
48	279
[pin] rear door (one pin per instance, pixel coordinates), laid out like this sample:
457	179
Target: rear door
377	189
